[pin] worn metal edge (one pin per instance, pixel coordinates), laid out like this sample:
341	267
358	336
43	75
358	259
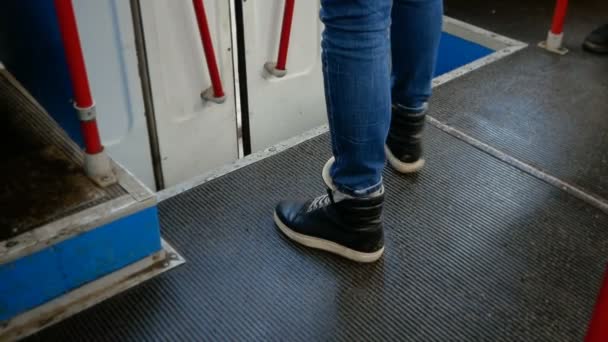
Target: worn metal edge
90	294
467	68
478	35
502	45
65	228
522	166
131	184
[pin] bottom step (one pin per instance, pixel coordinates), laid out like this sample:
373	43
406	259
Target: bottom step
90	294
65	242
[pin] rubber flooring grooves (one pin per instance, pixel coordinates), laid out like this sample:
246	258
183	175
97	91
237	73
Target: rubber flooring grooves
546	110
476	250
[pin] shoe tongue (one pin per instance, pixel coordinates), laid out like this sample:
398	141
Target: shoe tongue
335	196
319	202
377	193
339	197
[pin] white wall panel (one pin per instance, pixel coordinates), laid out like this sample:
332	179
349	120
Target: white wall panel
106	32
280	108
194	136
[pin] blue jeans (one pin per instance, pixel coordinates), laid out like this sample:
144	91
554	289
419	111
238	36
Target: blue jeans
358	43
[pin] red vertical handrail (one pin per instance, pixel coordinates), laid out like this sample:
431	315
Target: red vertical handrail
555	36
285	34
203	27
97	164
78	74
559	15
598	327
90	134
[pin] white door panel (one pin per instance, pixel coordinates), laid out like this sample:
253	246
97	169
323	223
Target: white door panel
107	38
280	108
194	136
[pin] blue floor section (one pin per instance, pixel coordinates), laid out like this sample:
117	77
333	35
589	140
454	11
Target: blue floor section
455	52
51	272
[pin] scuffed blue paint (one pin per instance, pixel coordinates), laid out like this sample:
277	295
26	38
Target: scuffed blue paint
37	278
455	52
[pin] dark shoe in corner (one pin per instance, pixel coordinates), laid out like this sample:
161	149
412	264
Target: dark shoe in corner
404	143
597	41
346	226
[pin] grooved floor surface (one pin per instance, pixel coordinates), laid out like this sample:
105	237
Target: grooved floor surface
476	250
549	111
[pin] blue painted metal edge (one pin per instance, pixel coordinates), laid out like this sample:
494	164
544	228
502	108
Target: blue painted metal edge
455	52
37	278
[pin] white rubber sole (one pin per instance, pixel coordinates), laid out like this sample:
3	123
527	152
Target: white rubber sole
400	166
326	176
326	245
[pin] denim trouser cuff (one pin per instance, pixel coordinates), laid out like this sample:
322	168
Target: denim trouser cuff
360	193
412	110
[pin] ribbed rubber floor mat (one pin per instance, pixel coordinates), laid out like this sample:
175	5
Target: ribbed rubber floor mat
549	111
476	250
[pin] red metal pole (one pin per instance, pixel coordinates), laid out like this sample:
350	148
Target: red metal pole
285	34
90	134
598	327
203	27
557	25
78	74
555	36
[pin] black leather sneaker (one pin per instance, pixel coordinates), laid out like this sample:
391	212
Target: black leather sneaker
404	144
343	225
597	41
